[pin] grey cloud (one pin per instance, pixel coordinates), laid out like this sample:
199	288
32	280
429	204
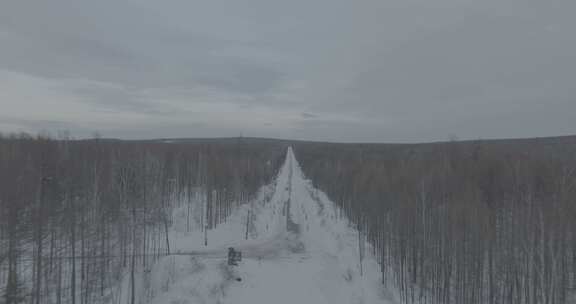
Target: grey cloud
79	58
116	99
495	62
306	115
243	79
134	51
412	69
67	57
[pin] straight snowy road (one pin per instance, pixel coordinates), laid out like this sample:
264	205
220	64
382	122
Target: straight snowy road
299	251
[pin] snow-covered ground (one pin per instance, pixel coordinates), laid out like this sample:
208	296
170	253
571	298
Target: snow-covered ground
298	251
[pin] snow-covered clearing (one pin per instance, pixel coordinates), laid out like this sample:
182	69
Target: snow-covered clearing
298	251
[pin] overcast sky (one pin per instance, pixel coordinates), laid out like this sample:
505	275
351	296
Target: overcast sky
337	70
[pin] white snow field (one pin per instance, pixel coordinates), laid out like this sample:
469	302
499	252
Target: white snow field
299	251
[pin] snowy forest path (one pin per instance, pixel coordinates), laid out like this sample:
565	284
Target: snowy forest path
301	250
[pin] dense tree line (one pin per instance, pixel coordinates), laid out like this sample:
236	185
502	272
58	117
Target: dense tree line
460	222
76	215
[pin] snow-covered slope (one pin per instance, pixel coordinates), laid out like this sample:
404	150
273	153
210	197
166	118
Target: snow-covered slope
299	251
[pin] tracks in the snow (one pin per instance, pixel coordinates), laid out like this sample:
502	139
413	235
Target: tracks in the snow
291	226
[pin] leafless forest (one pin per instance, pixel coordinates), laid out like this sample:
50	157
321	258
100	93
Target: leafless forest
76	215
456	222
460	222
